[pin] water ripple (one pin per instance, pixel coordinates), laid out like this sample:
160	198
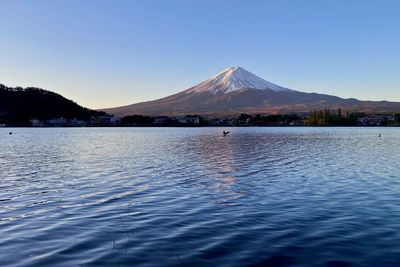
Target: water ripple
179	197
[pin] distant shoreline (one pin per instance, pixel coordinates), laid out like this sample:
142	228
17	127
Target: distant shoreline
218	126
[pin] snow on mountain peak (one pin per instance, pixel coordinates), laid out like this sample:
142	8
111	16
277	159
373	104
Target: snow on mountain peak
233	79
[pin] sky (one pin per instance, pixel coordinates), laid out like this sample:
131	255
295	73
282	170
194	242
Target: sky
116	52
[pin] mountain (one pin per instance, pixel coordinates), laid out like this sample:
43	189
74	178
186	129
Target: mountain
236	90
19	105
234	79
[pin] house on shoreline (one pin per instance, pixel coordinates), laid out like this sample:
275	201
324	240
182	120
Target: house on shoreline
189	120
99	121
376	120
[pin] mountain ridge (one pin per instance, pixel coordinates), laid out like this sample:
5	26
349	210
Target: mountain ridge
236	90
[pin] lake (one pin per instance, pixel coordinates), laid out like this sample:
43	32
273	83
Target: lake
192	197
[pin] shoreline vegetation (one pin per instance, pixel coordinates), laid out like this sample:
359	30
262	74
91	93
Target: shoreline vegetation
319	118
35	107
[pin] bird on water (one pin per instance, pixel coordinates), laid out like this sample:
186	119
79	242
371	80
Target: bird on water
225	133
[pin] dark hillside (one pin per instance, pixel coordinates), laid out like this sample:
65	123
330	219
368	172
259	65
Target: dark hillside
19	105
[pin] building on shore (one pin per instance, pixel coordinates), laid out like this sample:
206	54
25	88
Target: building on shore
107	120
77	123
221	122
376	120
37	123
189	120
59	122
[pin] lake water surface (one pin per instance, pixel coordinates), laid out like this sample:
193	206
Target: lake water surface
192	197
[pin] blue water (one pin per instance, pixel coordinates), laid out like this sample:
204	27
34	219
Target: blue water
192	197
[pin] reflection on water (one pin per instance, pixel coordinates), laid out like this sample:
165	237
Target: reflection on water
216	159
178	197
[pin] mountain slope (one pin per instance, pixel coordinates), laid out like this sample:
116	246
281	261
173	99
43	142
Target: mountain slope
236	90
18	105
234	79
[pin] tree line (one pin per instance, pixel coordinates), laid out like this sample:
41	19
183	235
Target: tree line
19	105
333	117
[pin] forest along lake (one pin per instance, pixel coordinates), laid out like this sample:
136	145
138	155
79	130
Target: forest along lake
191	196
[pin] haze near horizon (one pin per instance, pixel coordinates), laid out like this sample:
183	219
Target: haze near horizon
106	54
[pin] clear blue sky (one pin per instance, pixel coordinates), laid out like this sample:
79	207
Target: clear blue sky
111	53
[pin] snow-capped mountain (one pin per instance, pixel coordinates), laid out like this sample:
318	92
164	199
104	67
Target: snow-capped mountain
234	79
236	90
